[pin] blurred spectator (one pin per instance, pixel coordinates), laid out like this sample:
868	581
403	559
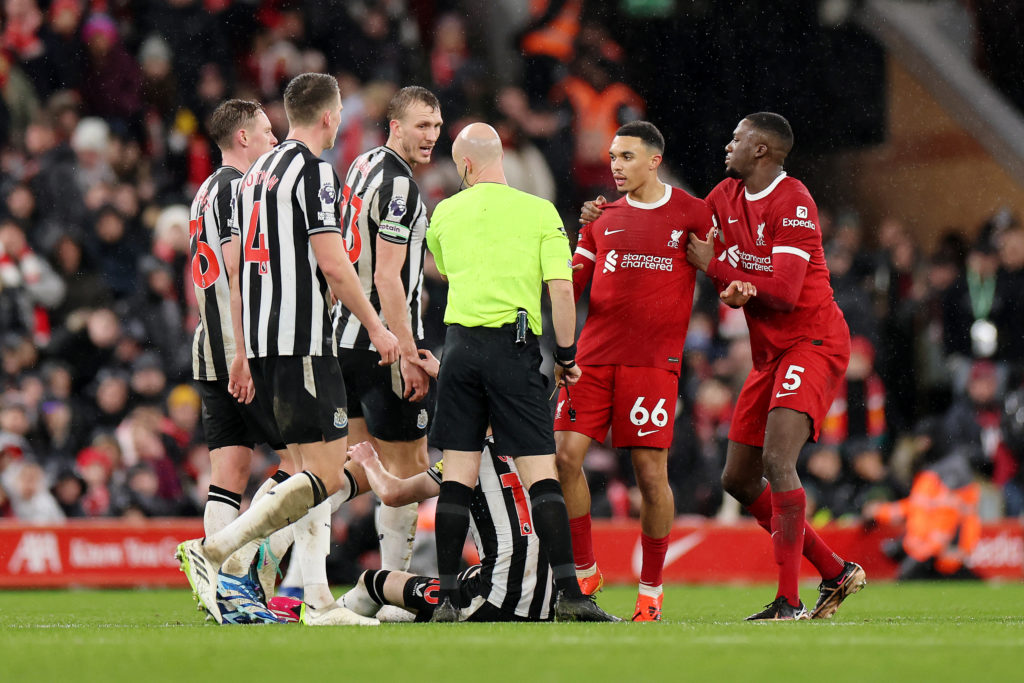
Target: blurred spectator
858	410
546	43
30	498
525	167
114	81
28	286
1008	310
69	490
95	466
117	252
20	104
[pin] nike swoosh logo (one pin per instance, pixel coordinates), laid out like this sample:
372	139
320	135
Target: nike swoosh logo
612	232
734	220
641	432
673	552
784	393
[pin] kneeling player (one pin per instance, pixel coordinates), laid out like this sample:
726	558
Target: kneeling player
513	580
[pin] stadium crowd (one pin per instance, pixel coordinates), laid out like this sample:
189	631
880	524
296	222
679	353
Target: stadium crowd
103	144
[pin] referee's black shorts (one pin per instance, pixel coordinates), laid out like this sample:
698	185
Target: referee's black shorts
304	394
375	392
227	422
486	379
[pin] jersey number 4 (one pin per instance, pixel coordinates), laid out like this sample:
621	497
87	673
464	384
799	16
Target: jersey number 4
254	247
202	253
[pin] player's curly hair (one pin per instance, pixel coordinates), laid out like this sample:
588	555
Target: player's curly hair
307	95
646	131
229	117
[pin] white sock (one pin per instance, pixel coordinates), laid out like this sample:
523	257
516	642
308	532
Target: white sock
312	543
650	591
293	577
396	531
342	495
586	573
287	502
221	509
238	563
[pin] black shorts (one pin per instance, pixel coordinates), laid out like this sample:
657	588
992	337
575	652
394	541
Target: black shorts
305	395
486	379
230	423
374	393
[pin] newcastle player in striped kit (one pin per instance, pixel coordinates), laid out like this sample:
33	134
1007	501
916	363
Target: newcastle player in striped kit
385	225
242	132
512	582
293	262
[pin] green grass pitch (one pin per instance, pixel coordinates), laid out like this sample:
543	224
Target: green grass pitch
887	632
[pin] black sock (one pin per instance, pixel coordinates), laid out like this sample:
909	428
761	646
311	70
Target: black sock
420	594
373	581
451	523
280	476
551	522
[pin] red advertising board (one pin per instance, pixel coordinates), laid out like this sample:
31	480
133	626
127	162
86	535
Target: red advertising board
111	553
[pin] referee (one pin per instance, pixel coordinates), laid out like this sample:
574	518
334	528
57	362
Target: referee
496	247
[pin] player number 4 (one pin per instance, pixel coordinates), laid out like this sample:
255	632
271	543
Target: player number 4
255	243
639	415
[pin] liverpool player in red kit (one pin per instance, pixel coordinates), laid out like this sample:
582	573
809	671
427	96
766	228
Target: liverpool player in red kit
768	236
631	348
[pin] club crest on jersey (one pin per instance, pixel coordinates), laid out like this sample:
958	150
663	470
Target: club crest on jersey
397	207
674	242
421	419
760	235
328	193
340	418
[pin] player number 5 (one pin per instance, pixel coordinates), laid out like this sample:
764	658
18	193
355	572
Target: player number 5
639	415
793	375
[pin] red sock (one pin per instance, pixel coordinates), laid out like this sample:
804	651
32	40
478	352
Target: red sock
582	541
828	564
788	525
654	559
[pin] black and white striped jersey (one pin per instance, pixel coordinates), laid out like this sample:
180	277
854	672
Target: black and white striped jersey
286	196
512	563
380	199
209	226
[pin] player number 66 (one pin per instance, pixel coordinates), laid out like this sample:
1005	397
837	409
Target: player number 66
639	415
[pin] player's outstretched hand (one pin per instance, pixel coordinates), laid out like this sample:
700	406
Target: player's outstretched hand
700	252
240	380
415	378
387	345
591	210
363	454
429	362
737	293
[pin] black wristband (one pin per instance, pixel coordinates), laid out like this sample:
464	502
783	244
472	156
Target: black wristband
566	355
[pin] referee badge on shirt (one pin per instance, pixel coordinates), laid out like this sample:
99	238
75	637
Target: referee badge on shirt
340	418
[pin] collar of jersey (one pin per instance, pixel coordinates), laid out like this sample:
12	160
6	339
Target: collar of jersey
398	156
652	205
766	191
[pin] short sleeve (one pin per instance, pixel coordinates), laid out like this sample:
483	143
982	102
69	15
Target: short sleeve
227	210
397	204
319	197
555	257
586	246
795	227
433	234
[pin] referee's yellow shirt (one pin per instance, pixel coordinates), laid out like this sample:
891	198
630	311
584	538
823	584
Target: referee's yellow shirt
497	246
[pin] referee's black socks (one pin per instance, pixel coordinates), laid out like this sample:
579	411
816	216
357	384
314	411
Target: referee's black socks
451	524
551	522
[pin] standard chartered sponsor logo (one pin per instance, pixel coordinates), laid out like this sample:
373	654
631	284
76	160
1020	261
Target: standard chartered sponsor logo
747	260
646	261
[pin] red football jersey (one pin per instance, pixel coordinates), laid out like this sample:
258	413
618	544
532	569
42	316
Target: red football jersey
641	289
772	239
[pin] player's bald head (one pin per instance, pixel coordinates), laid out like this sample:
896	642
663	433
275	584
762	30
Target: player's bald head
776	131
479	143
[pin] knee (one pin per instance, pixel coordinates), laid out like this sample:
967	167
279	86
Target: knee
567	464
736	484
651	479
230	469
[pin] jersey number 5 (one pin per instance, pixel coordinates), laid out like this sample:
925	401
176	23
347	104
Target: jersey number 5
202	278
352	205
255	243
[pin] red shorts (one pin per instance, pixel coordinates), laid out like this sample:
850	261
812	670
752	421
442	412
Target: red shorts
638	403
805	378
